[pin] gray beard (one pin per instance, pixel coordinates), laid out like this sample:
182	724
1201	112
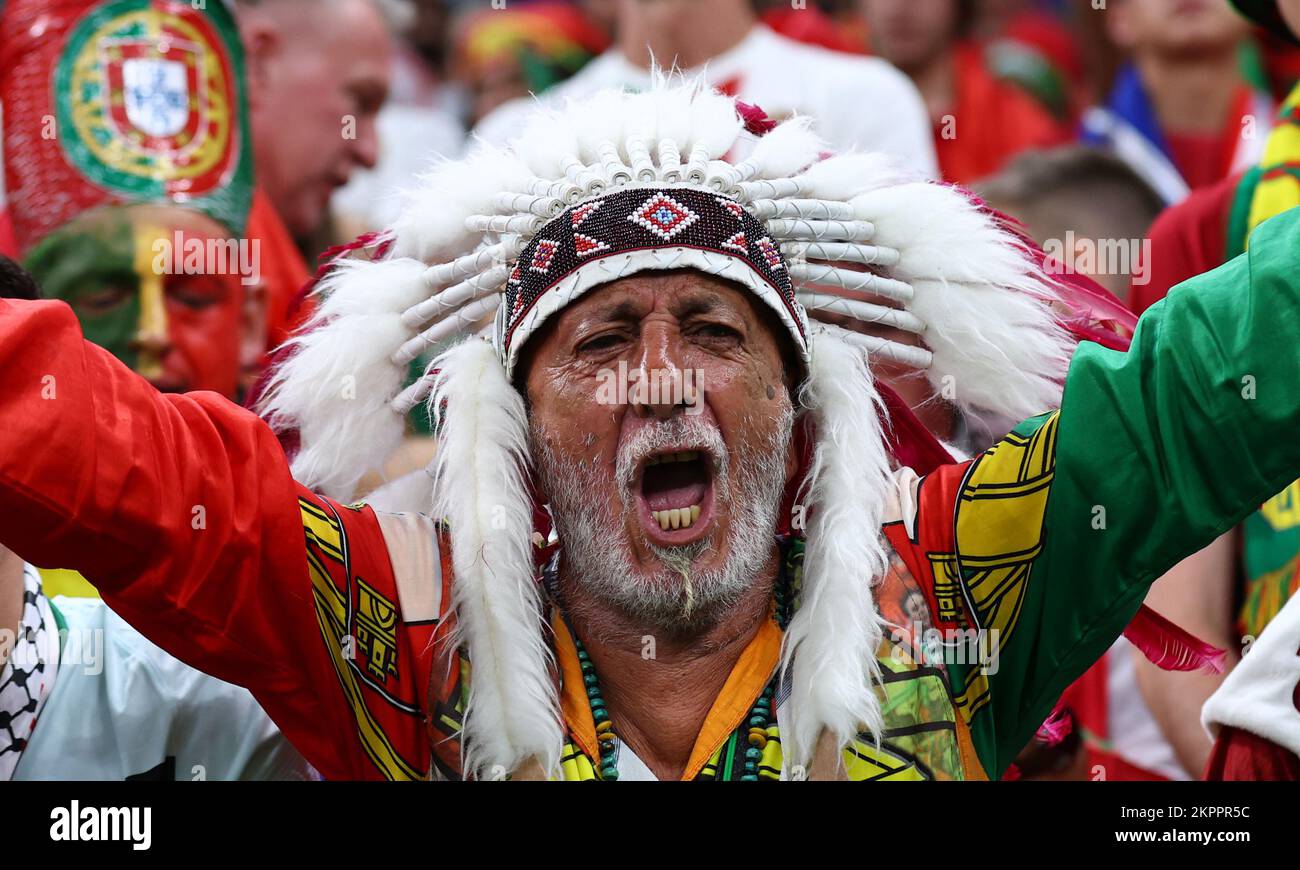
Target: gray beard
675	595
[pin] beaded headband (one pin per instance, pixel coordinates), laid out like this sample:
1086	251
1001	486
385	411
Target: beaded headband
609	234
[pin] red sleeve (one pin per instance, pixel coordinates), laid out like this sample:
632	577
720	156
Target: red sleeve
1187	239
181	509
1240	755
8	244
932	532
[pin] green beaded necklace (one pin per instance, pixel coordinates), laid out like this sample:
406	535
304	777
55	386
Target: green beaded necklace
752	729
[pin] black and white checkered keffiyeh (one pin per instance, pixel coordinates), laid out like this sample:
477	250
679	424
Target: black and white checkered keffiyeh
28	675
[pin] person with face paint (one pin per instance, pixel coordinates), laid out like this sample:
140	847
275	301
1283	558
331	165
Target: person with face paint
129	177
624	588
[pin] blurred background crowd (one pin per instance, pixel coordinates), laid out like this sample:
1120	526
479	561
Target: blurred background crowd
978	92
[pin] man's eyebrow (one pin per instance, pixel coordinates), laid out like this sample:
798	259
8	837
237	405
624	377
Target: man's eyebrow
702	304
629	310
623	310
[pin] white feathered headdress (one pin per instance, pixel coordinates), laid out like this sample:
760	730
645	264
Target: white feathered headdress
491	246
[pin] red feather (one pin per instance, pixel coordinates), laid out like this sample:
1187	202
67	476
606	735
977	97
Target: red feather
1057	726
1171	648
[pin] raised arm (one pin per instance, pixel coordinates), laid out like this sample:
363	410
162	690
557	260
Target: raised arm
1049	541
1164	448
182	511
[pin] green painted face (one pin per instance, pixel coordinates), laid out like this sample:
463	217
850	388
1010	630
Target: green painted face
93	270
157	287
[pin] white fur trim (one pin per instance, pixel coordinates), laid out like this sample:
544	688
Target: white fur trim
1259	695
829	651
480	487
336	386
989	323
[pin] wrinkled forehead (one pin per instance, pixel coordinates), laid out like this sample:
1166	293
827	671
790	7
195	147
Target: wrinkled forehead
679	296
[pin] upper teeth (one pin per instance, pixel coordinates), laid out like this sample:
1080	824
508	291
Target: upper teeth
687	456
677	518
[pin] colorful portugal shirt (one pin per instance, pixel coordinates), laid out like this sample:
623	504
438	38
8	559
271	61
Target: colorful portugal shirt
1038	551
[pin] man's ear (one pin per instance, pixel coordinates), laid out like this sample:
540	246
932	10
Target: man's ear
252	327
262	42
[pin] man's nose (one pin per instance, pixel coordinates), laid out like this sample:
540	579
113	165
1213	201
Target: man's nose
365	148
657	386
152	339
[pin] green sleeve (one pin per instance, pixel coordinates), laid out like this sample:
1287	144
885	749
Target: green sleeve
1155	453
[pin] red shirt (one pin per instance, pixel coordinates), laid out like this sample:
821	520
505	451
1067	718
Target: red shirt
1198	156
8	244
1187	239
1240	755
968	145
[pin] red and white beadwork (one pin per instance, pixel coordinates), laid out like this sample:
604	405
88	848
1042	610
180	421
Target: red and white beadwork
731	206
770	253
543	256
583	212
584	245
663	216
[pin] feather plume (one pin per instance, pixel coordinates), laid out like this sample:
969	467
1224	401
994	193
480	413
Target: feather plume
998	346
789	148
714	124
1170	647
336	383
829	651
480	488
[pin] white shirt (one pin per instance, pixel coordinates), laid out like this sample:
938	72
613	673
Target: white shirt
1262	693
857	103
121	707
1135	735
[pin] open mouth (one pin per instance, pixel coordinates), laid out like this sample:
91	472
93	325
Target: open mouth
676	495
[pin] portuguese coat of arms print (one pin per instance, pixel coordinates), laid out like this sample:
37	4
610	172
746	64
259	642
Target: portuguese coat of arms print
147	100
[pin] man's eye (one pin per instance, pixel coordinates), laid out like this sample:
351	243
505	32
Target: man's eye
368	98
609	341
717	331
192	297
102	300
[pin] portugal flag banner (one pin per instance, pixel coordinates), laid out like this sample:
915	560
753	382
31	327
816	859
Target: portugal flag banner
145	99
